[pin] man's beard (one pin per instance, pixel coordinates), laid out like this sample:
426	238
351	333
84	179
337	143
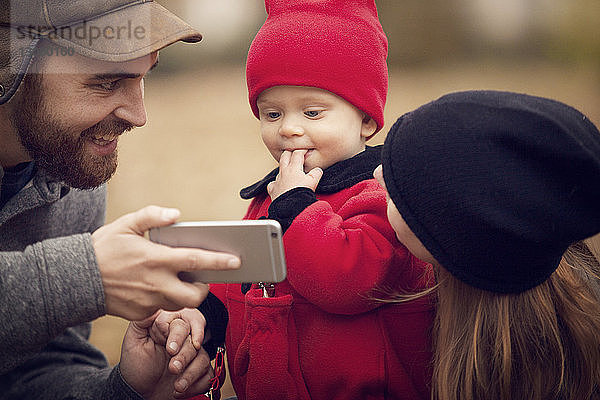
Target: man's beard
55	148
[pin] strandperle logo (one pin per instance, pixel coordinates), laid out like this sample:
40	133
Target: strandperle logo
86	32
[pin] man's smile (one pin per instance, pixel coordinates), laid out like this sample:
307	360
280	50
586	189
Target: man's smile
105	139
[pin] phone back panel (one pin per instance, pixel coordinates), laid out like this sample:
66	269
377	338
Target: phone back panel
258	244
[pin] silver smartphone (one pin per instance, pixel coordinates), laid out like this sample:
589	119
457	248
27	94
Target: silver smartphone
258	244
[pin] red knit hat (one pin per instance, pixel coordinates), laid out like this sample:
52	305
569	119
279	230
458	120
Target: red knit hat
336	45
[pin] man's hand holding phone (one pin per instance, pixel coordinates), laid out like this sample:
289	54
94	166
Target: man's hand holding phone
139	276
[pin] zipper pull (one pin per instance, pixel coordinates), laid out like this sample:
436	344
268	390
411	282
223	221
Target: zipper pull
268	289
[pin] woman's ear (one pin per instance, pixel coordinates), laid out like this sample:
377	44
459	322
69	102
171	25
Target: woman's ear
369	126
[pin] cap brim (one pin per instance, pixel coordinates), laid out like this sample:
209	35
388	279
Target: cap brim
130	33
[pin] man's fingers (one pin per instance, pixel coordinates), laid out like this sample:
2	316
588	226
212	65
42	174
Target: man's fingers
196	376
178	294
164	287
188	259
179	363
201	386
148	217
146	323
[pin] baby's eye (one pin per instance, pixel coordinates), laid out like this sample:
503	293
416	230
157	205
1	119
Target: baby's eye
273	115
312	113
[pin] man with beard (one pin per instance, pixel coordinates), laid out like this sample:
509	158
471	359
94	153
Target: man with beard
71	82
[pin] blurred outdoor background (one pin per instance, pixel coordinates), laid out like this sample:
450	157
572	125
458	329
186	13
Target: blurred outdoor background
201	144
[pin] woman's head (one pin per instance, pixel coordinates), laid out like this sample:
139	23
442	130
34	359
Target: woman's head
492	188
490	182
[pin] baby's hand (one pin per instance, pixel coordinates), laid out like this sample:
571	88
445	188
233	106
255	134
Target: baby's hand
291	174
173	328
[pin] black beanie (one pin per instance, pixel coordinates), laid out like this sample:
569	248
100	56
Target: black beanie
496	185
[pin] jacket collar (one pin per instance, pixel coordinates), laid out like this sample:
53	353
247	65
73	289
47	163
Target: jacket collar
39	191
341	175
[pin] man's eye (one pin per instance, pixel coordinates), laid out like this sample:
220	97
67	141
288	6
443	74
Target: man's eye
312	113
108	86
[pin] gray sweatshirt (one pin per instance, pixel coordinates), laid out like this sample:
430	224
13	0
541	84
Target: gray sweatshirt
50	288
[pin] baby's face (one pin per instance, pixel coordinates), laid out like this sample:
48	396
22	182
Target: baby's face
404	234
300	117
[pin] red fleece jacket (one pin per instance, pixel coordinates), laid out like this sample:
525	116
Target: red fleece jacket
322	336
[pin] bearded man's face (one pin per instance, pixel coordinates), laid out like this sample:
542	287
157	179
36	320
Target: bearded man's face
56	147
70	116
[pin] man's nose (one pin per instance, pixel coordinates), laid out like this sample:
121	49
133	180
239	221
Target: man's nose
131	107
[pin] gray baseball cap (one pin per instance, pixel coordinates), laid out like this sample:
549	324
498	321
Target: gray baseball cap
108	30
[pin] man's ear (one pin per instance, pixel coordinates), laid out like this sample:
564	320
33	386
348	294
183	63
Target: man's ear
369	126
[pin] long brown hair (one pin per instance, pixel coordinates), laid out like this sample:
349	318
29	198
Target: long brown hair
539	344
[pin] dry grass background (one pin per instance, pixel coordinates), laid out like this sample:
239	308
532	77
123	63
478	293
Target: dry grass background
201	143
